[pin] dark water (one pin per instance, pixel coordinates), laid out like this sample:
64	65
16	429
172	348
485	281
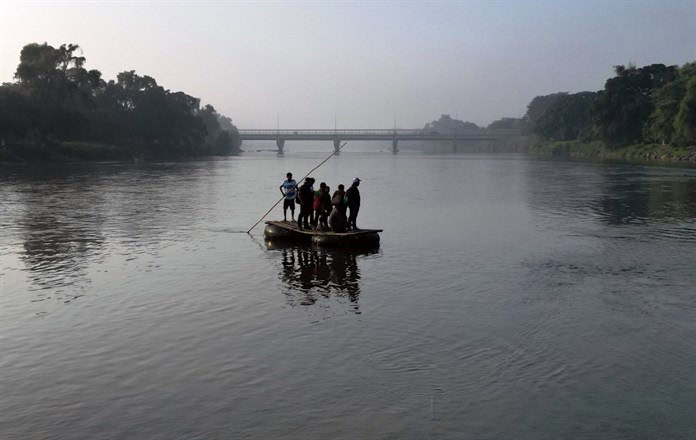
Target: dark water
510	299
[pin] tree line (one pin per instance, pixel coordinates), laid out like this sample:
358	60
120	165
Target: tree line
655	104
55	99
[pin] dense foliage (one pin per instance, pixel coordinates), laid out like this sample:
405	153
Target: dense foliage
652	104
508	124
56	99
447	125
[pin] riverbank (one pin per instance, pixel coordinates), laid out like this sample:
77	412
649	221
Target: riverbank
597	150
85	152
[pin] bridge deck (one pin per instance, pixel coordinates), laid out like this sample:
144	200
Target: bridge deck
374	134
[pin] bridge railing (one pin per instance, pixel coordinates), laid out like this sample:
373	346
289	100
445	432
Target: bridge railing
374	132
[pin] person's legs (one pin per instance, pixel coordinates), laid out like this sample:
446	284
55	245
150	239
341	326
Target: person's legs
300	216
292	209
305	216
353	216
285	210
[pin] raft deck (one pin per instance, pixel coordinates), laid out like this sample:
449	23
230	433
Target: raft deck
283	230
292	226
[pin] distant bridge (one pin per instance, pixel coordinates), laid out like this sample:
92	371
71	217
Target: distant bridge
393	135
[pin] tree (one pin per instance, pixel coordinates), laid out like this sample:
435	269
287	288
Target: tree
622	109
685	121
16	113
661	125
567	118
447	125
507	124
538	107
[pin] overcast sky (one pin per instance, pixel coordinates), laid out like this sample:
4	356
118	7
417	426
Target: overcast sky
363	62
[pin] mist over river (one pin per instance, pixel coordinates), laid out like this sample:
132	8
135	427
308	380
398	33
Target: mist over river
511	298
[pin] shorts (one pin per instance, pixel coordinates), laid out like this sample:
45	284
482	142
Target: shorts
289	203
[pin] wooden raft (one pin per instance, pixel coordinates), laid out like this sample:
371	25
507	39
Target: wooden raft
281	230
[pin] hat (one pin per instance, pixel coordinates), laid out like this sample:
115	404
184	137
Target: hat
356	179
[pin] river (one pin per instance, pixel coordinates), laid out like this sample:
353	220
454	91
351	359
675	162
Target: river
511	298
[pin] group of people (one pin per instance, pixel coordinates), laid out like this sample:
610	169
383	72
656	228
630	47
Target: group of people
319	209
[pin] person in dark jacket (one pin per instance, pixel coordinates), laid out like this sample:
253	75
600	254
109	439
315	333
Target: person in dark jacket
305	196
316	205
353	203
324	207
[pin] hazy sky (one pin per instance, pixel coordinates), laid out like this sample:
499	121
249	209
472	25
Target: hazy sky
362	61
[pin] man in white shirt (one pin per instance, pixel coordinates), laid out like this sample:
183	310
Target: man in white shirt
288	189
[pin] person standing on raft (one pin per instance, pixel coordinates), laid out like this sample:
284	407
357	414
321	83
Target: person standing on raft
353	203
325	208
306	198
288	189
338	201
316	204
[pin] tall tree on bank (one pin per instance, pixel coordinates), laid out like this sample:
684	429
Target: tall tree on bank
448	125
623	108
662	124
507	124
56	99
567	118
685	121
537	108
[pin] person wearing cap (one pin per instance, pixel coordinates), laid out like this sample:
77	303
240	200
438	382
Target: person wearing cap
353	203
288	189
306	198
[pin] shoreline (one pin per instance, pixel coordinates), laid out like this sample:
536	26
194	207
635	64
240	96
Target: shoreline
645	154
65	152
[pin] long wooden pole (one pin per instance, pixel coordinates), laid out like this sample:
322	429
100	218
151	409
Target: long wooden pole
306	175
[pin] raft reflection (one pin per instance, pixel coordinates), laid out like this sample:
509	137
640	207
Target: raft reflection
310	275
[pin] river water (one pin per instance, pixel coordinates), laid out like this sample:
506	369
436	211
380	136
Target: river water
511	298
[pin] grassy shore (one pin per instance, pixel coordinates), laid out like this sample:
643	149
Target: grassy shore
597	150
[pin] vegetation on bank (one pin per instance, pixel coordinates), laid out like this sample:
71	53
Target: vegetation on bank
58	110
646	113
597	149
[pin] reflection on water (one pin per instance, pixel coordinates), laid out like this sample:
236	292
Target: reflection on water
58	221
616	195
311	274
633	199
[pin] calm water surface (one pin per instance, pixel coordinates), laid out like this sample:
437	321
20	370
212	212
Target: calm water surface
510	299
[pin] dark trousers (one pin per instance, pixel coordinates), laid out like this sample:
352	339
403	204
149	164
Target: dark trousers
305	215
323	218
352	217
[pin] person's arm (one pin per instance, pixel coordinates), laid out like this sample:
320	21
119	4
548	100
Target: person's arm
281	188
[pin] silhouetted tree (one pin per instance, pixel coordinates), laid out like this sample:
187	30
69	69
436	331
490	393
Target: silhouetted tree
447	125
622	109
567	118
507	124
55	98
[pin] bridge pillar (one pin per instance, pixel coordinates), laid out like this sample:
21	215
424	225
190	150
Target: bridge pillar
280	142
454	145
337	145
395	145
